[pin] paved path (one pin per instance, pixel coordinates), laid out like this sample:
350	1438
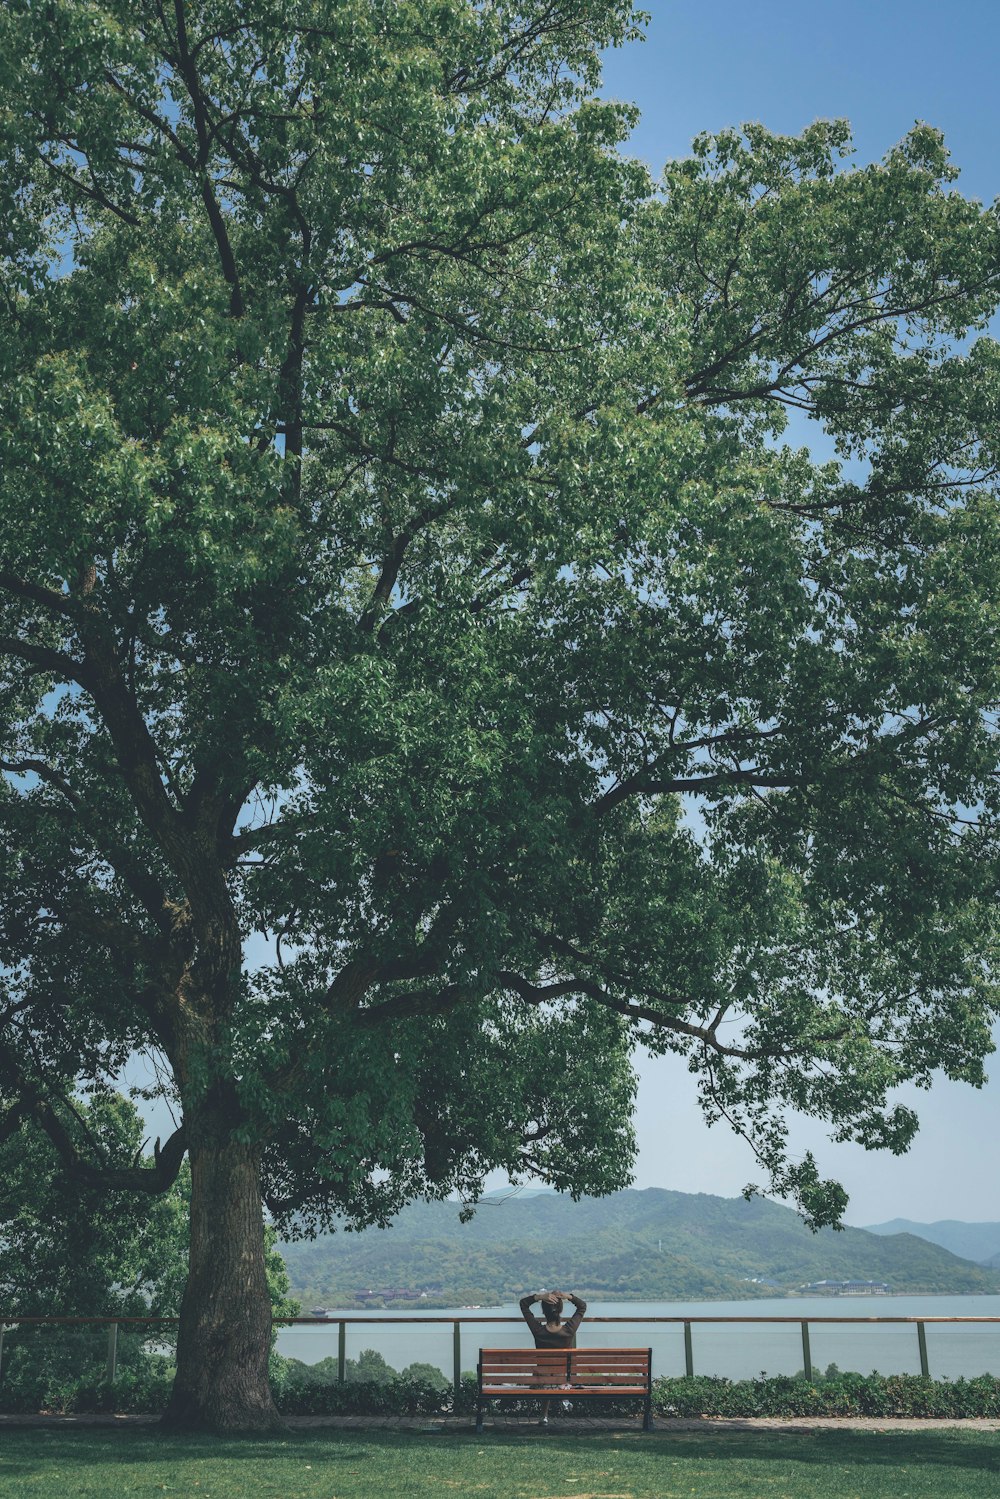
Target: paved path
528	1426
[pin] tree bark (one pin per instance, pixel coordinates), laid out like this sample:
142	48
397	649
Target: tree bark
225	1324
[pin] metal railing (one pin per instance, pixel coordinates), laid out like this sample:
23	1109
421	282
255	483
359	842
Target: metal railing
8	1323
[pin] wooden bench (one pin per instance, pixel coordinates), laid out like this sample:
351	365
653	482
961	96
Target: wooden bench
565	1374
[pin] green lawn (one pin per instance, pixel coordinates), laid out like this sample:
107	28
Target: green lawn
102	1464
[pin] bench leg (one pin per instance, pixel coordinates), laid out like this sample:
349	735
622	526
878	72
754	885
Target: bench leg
647	1419
479	1418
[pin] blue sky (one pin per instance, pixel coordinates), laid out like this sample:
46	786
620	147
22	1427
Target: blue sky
879	63
882	65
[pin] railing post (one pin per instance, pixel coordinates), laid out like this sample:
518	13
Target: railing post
688	1352
925	1367
456	1349
806	1355
1	1350
341	1351
111	1370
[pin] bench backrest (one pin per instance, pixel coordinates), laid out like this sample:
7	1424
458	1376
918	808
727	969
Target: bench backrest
527	1367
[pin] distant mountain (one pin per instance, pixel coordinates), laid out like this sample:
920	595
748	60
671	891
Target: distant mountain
652	1245
979	1242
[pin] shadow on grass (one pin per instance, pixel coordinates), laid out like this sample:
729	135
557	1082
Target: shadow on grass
105	1447
955	1450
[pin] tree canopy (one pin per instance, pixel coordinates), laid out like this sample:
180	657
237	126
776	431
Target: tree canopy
72	1248
404	557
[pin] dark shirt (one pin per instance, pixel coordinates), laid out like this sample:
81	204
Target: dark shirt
562	1336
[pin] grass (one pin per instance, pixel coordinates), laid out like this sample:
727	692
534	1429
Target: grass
102	1464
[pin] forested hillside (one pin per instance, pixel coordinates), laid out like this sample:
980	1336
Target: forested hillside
650	1245
979	1242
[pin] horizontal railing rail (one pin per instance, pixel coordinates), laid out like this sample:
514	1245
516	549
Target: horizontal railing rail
362	1321
10	1321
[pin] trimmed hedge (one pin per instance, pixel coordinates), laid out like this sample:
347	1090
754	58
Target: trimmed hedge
840	1395
397	1397
145	1389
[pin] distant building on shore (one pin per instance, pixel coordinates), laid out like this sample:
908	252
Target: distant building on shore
845	1288
391	1293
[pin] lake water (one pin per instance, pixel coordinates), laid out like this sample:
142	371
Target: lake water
739	1351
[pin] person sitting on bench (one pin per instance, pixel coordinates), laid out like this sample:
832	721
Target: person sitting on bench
549	1330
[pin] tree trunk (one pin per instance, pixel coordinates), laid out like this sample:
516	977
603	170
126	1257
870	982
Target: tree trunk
225	1325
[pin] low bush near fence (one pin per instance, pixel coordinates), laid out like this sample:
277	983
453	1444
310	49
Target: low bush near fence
374	1388
64	1369
136	1391
395	1397
142	1385
839	1395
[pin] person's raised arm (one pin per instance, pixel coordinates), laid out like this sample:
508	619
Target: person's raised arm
581	1306
526	1303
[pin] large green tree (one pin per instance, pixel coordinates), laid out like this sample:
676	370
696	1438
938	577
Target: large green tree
400	557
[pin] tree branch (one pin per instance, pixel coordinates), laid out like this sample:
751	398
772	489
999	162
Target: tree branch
394	560
32	1102
536	994
414	1004
135	750
646	783
44	659
123	861
49	599
153	1180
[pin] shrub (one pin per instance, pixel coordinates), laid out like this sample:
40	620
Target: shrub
394	1397
137	1391
836	1394
143	1386
64	1369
